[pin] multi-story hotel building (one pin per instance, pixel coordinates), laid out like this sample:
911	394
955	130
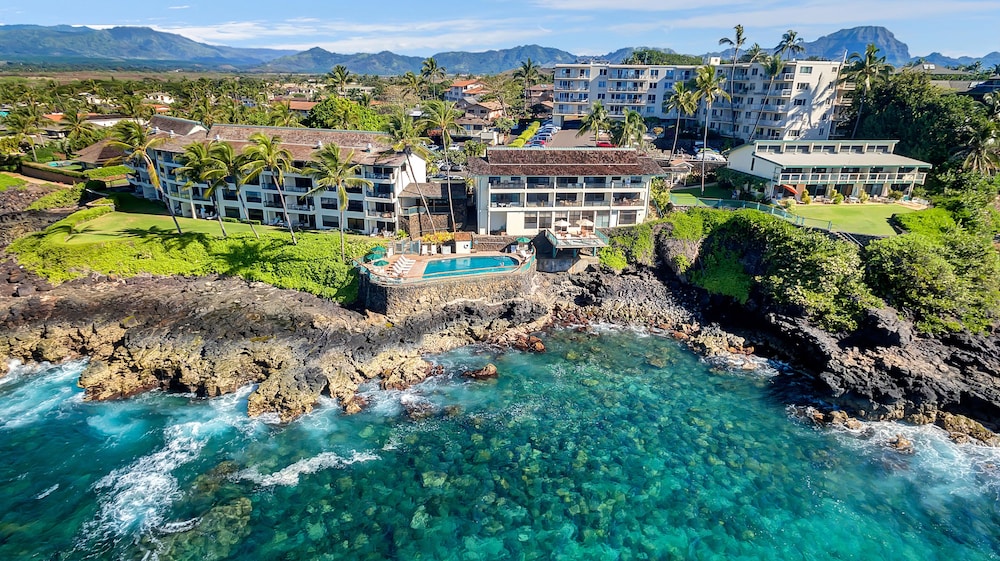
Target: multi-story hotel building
799	105
521	192
824	168
369	209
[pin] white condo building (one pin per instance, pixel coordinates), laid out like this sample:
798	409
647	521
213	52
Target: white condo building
369	209
799	105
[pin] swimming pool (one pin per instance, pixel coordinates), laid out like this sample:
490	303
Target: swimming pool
468	265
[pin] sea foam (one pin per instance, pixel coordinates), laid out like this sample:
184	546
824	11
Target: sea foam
289	476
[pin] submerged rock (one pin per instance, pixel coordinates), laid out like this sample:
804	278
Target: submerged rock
485	373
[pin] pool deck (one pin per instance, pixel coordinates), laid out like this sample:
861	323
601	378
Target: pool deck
420	262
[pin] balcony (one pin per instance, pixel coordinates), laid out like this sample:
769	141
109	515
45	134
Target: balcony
507	185
379	176
627	75
628	202
371	194
627	88
865	178
381	214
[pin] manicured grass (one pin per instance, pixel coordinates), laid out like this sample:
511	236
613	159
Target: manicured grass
868	218
8	181
712	191
130	243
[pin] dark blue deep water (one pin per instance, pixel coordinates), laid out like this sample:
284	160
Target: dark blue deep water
612	445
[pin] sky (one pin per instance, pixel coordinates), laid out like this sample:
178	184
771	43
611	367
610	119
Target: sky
583	27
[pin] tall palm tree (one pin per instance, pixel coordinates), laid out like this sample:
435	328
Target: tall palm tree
407	137
529	74
983	152
227	169
865	71
197	162
992	103
709	86
333	169
79	131
773	65
443	115
685	102
414	83
595	121
265	154
736	43
755	53
132	137
632	129
790	43
430	70
24	126
281	115
339	77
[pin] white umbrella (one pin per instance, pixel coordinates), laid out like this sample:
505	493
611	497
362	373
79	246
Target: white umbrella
562	223
584	222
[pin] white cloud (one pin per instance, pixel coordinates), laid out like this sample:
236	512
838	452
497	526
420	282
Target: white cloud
178	7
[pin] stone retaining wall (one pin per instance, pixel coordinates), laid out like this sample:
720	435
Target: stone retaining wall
403	299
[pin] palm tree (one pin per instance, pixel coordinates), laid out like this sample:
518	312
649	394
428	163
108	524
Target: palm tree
443	115
430	70
527	72
281	115
983	152
595	121
685	102
132	137
992	103
708	84
332	169
406	137
790	43
24	126
197	162
632	129
227	169
414	83
339	77
754	54
865	71
736	42
265	154
77	128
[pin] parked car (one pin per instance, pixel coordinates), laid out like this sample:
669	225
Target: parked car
604	144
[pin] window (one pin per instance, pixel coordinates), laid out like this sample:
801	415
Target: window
800	102
654	73
794	133
627	217
603	72
602	84
649	109
806	70
531	221
600	96
753	71
802	86
652	85
651	98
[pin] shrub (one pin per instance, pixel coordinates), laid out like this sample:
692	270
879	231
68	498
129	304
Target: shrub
864	197
105	172
806	198
613	257
931	222
635	243
895	195
65	197
838	198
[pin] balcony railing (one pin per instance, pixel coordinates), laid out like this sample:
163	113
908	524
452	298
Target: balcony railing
377	195
627	88
381	214
382	176
628	202
836	178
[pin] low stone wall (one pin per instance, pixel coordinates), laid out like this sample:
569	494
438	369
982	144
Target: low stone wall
403	299
49	175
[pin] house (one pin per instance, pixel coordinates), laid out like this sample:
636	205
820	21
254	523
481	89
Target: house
160	98
369	209
799	105
484	110
301	108
540	93
524	191
99	154
460	89
825	167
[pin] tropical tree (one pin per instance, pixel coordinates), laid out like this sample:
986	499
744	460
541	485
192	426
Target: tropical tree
132	106
632	128
332	169
226	170
136	142
196	162
430	70
414	84
685	102
339	77
790	43
982	154
736	43
755	53
772	65
444	116
992	103
24	125
865	71
595	121
503	89
281	115
529	74
265	154
407	137
79	131
709	86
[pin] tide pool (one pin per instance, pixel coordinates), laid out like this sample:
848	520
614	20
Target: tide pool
611	445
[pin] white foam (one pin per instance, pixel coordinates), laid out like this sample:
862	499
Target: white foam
289	476
47	492
50	388
135	498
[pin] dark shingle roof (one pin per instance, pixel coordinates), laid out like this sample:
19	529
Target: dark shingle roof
569	162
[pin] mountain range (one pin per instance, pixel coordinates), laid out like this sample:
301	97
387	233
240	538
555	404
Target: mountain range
142	47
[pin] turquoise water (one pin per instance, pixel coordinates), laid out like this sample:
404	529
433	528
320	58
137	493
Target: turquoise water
612	445
467	265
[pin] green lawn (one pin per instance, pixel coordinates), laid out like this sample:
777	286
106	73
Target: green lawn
8	181
867	218
125	225
712	191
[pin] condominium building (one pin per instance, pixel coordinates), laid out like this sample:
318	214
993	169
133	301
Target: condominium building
799	104
522	191
824	168
369	209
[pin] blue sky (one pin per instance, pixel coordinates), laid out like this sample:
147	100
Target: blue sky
953	27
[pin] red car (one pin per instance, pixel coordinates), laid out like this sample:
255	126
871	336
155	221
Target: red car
604	144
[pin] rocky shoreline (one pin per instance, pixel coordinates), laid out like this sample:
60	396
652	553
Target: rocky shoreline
211	336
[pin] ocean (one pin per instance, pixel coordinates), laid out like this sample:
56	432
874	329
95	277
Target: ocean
613	444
